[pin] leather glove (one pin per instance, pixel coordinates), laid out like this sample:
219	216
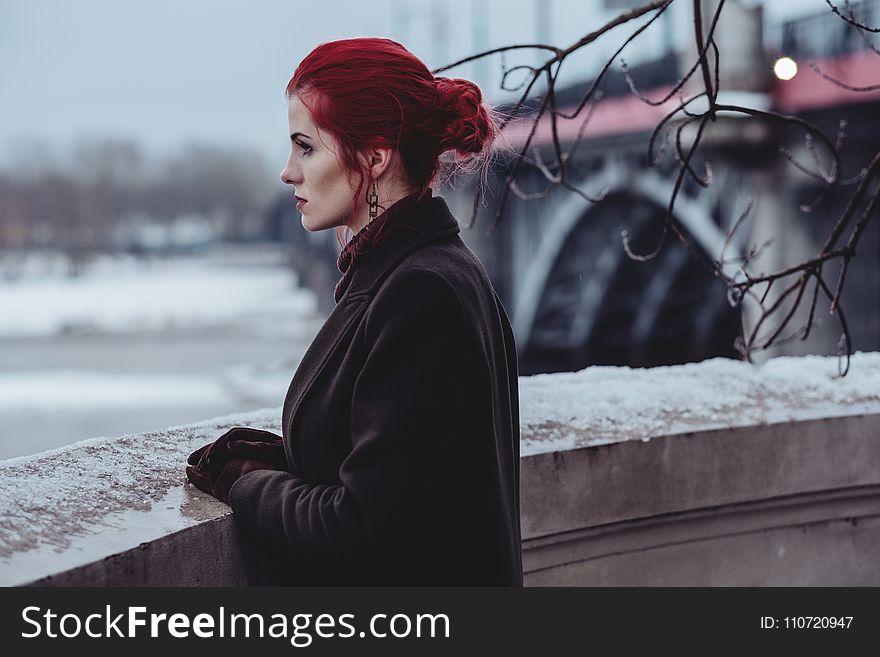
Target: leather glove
220	485
213	456
271	453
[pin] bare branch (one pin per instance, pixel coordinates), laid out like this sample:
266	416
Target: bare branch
843	85
851	19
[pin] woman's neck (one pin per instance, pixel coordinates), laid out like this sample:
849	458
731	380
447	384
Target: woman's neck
387	197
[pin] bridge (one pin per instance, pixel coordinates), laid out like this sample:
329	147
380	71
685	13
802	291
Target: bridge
578	300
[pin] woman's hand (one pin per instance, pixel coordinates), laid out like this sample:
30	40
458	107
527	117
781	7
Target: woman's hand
220	485
214	467
244	442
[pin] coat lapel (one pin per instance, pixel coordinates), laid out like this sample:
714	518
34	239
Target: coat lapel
427	221
339	324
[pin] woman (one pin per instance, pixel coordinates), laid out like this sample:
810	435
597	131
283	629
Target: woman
399	461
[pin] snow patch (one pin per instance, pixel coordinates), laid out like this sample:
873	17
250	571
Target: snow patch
61	390
117	294
600	405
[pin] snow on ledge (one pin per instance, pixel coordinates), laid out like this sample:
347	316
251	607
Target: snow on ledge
80	503
601	405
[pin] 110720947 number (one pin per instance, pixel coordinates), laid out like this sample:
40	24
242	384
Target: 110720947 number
806	622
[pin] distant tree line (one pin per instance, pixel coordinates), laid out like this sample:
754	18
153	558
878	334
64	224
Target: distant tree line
77	206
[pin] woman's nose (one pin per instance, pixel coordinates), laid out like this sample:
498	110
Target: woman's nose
290	175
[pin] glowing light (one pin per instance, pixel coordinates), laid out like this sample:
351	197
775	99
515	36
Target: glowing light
785	68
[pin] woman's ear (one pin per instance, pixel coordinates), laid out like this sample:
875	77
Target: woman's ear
376	160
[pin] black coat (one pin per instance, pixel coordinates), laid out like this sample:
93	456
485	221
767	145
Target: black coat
401	426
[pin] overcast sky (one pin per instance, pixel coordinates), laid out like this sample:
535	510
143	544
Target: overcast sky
166	72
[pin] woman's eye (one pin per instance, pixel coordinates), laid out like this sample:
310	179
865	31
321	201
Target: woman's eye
306	149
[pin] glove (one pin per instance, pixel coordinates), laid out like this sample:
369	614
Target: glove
213	456
267	452
220	485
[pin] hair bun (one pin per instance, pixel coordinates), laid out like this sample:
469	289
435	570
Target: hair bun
463	122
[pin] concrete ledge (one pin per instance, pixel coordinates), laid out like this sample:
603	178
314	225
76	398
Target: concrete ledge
715	473
211	553
121	512
680	473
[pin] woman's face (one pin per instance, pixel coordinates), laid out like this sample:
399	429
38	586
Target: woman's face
315	172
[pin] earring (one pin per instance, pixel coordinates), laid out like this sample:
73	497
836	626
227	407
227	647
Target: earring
373	200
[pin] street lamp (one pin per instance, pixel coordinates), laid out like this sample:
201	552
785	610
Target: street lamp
785	68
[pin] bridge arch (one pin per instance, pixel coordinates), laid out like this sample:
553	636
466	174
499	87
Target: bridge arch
582	301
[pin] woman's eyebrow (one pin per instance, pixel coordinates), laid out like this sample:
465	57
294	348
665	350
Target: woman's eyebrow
299	134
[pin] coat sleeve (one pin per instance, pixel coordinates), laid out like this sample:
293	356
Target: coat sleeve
407	402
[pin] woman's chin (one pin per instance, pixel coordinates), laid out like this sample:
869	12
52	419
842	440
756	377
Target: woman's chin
312	225
308	224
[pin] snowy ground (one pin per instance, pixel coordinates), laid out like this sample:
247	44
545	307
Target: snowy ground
117	294
136	346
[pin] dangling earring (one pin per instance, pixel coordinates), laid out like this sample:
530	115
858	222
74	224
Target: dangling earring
373	200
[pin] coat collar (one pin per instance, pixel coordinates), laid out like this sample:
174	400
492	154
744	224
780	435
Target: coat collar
429	219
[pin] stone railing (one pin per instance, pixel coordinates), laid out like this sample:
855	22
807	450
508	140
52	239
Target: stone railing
714	473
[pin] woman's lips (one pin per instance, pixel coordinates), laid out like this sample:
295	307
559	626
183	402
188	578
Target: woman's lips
300	202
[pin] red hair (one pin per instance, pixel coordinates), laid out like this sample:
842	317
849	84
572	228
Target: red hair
373	92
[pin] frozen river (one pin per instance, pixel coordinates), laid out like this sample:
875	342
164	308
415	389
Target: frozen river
133	347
